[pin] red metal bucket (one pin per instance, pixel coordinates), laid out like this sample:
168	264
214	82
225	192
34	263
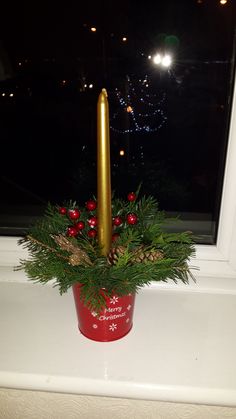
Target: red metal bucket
112	323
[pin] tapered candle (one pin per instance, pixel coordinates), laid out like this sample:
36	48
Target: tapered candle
103	174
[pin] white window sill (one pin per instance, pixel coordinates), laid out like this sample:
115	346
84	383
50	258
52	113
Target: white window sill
181	348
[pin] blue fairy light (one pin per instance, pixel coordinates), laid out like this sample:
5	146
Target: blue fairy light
151	119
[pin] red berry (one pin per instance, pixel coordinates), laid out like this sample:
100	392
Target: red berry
93	221
74	214
132	218
115	236
63	210
117	221
131	196
80	225
91	205
92	233
72	231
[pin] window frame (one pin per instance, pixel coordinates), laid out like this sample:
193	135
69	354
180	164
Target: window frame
211	261
220	259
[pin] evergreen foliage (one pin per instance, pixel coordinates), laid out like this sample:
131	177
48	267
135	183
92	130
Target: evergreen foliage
68	260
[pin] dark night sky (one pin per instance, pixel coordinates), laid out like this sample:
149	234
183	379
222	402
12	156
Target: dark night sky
52	28
53	42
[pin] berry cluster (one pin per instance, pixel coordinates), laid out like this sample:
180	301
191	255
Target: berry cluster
79	225
80	221
131	218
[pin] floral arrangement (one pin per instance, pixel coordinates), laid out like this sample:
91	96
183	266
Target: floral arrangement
63	247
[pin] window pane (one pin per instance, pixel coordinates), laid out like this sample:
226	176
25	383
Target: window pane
168	68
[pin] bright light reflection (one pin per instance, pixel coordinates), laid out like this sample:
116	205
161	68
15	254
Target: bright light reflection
93	29
157	59
124	39
122	152
166	61
90	86
223	1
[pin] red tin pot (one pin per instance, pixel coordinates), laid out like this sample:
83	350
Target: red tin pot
112	323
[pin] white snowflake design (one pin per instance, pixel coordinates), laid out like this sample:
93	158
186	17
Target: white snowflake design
94	314
127	320
95	326
129	307
114	300
113	327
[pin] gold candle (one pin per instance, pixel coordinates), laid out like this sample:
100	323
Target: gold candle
103	174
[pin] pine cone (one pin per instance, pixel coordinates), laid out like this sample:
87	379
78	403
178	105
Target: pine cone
114	254
139	255
142	255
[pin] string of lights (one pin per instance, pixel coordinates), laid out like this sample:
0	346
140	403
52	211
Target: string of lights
144	109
